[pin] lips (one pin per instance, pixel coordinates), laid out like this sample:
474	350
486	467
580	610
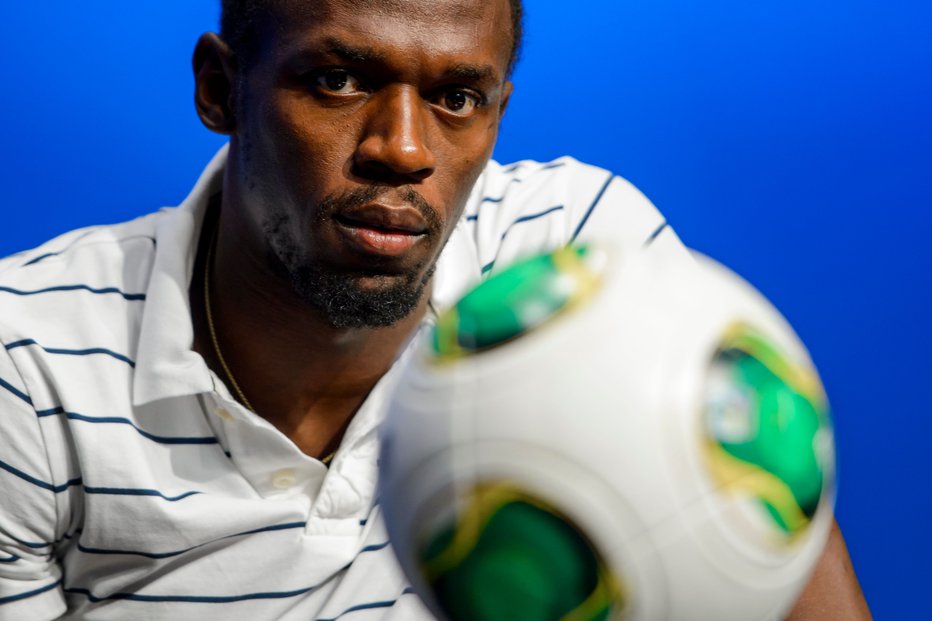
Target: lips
381	229
393	219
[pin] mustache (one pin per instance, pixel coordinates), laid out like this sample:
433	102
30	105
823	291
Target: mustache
358	197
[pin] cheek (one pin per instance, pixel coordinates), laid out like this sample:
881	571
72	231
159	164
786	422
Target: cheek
309	151
466	160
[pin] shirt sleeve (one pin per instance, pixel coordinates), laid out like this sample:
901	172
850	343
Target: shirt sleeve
30	577
532	207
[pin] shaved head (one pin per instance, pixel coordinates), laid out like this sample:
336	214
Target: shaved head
241	21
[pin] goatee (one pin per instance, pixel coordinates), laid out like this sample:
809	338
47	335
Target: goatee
338	295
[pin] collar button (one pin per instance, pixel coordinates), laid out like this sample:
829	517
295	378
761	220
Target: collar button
224	414
284	479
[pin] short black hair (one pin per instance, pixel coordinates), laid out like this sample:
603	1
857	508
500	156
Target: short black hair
238	20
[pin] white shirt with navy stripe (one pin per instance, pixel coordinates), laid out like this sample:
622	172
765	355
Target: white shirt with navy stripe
133	486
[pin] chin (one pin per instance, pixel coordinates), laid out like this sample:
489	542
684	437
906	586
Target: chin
351	291
360	301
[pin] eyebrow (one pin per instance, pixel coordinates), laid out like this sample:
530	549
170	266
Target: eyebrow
357	54
352	53
473	73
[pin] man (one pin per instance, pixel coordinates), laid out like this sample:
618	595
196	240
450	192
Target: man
190	400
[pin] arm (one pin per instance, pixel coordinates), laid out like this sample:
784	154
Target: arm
833	591
30	577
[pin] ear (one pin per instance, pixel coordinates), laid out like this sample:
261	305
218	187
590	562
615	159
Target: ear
214	77
506	96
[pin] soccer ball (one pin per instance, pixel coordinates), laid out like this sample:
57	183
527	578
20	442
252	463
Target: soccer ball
591	435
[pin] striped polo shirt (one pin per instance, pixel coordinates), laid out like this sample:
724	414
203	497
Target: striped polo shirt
133	485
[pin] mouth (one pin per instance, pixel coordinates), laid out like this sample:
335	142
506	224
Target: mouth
381	229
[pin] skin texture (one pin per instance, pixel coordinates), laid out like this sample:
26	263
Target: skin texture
833	592
357	110
397	101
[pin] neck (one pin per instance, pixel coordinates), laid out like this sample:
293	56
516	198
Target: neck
296	370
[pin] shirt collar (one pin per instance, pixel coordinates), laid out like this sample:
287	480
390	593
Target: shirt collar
166	364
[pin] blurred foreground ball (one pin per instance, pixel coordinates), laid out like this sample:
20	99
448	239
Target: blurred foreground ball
589	435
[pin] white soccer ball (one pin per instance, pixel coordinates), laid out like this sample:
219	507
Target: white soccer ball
590	435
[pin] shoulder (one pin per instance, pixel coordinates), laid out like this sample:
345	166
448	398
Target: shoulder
80	292
82	252
513	188
529	206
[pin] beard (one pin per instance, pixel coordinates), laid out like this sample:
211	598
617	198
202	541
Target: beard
339	294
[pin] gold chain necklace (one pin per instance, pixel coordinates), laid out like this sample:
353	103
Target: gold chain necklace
213	331
216	343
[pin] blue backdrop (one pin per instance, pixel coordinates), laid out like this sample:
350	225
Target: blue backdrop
791	140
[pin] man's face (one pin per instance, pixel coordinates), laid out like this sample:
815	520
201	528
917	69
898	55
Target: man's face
361	126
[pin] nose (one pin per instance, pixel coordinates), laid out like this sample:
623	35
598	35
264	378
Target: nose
394	145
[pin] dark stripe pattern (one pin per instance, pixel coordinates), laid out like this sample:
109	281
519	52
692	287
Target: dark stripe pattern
528	218
39	545
132	491
369	606
55	253
41	257
38	482
550	166
15	391
32	545
116	420
226	599
515	167
71	352
375	505
595	202
95	290
108	491
656	233
74	242
375	547
15	598
161	555
190	599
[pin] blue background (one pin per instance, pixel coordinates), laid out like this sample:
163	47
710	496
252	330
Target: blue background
791	140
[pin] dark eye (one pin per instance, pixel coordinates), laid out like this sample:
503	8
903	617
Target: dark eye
337	81
460	102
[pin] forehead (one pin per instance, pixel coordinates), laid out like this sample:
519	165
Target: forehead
424	10
466	29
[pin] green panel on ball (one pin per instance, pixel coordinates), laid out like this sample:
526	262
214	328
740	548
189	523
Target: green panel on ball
516	301
768	423
512	559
